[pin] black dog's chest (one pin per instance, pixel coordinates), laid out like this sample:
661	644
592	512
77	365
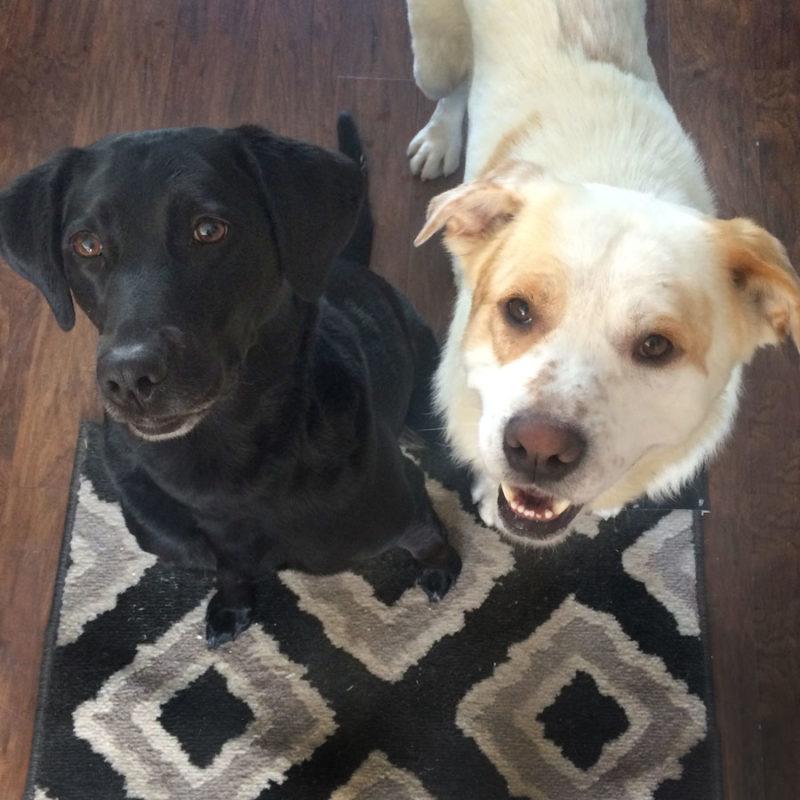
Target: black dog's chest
290	515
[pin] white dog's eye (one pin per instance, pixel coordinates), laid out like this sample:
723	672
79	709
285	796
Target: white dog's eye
518	311
654	347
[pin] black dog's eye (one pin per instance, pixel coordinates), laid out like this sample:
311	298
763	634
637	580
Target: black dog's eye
86	244
654	347
518	311
210	230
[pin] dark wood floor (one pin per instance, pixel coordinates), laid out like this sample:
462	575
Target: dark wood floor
74	70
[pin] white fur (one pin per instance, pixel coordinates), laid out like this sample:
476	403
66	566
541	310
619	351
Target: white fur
573	80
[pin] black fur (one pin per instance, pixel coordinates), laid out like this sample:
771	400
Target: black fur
302	367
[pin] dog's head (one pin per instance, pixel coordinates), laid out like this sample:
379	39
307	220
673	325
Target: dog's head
604	339
179	245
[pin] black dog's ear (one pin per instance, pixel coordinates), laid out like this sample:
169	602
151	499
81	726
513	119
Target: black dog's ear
30	233
312	196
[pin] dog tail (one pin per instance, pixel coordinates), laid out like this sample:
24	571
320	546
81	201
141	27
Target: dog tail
359	247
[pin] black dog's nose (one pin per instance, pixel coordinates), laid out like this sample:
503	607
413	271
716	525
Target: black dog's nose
542	448
128	374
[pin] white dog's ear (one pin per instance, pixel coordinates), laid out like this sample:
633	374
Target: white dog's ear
473	212
766	286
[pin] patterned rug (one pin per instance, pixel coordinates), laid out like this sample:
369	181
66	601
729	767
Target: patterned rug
572	673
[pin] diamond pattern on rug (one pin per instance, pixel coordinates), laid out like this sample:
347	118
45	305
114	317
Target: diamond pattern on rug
582	720
502	713
378	779
101	570
388	639
664	562
203	716
123	722
551	673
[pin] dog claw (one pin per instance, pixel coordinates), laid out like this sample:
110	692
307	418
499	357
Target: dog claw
436	582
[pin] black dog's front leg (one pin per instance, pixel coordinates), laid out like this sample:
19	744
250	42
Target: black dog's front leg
230	610
426	541
161	525
167	529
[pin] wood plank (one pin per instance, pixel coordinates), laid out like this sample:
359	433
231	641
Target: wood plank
658	41
130	52
775	410
378	106
27	569
712	97
742	120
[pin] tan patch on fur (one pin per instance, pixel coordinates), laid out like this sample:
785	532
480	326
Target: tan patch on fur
763	288
696	323
474	212
519	264
691	334
543	288
510	141
689	329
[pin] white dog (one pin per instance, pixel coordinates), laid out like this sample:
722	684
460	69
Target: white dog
603	312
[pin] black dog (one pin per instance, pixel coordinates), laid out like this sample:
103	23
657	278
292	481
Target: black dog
255	384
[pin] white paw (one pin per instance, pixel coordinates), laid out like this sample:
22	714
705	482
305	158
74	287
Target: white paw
436	150
484	495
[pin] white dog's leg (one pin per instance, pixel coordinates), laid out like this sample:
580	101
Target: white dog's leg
436	149
442	43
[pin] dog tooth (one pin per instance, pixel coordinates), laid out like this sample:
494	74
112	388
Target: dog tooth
548	514
560	506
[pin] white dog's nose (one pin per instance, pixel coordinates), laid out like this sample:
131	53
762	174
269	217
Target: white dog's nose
542	448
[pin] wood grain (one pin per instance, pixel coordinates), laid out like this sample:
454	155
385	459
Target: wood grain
734	82
73	71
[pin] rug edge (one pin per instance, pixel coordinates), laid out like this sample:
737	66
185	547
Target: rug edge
54	618
713	735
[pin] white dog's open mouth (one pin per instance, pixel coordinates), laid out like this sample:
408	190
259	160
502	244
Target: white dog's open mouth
532	513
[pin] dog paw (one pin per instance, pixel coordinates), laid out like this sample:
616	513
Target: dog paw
436	582
436	150
225	623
